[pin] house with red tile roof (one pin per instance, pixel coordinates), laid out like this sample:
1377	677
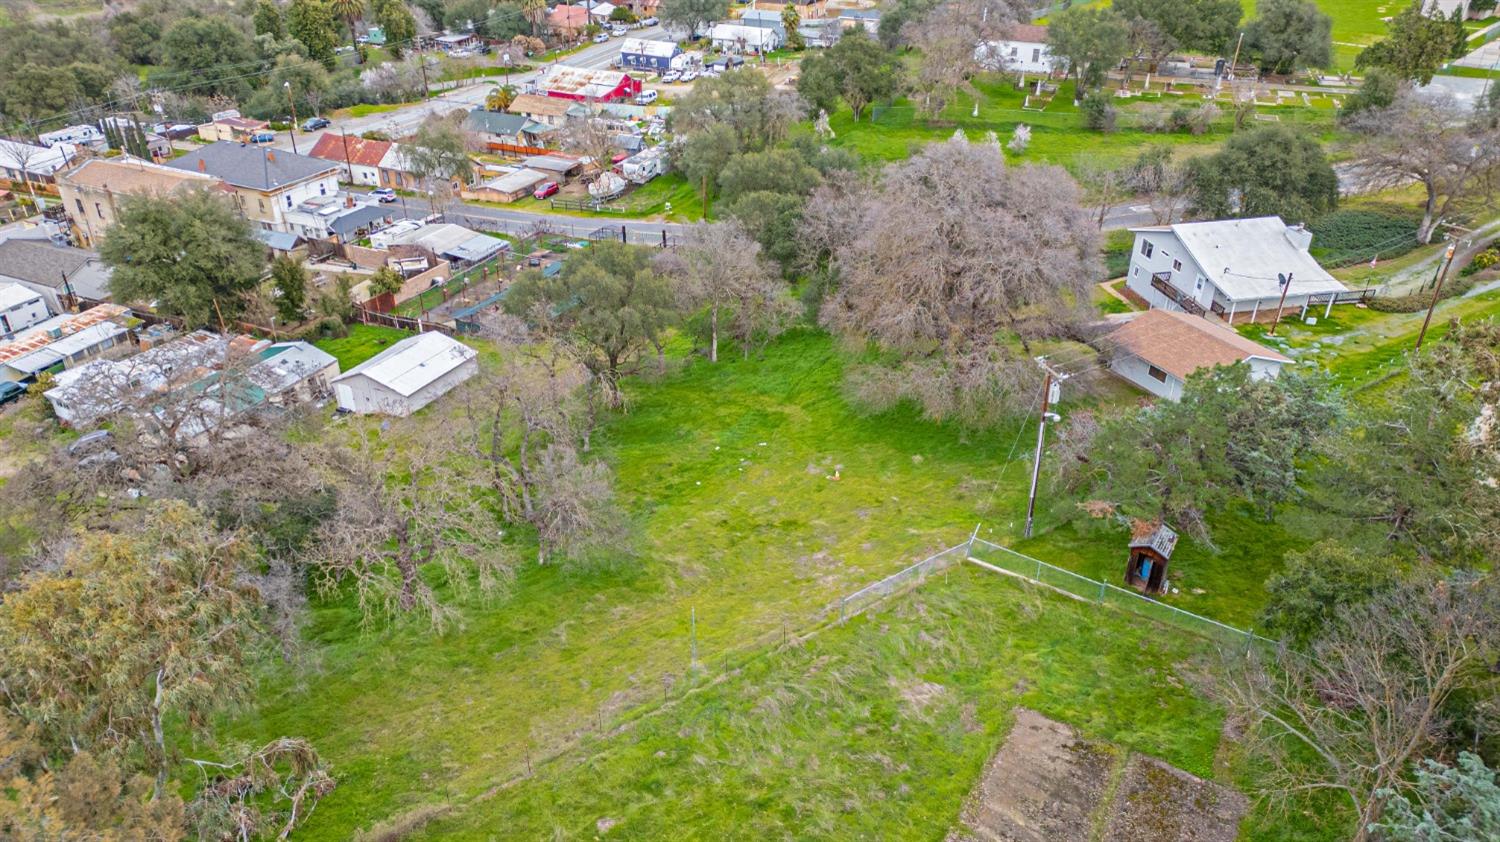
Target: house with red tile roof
359	158
567	22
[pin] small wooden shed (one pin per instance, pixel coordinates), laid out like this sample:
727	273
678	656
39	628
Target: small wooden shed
1151	545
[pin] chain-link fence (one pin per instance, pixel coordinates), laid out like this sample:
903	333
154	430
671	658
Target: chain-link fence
1005	560
863	598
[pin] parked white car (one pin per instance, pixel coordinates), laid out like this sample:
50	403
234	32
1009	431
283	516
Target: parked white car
645	97
688	76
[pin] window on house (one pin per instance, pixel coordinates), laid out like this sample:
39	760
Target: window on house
99	209
1147	248
1135	272
1198	286
79	203
322	191
1036	54
1156	374
288	200
262	205
1177	265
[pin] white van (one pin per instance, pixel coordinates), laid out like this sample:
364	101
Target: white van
645	97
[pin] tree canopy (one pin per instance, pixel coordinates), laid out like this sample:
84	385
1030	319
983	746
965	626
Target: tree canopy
1092	39
194	255
857	69
1267	170
609	300
1288	35
1417	45
1207	26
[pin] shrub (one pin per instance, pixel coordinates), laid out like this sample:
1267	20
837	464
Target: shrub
1098	112
1483	260
1117	248
1417	301
1356	235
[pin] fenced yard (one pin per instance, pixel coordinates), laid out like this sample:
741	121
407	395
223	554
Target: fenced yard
999	559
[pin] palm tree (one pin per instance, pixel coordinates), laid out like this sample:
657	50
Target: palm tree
500	98
535	12
350	11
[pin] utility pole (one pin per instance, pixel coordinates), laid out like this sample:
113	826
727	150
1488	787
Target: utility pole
1053	381
292	105
1286	284
1437	290
348	163
1236	60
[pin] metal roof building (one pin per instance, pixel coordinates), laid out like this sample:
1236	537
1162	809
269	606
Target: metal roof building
406	376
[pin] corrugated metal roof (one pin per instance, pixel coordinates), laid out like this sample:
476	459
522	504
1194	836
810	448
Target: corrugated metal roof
412	363
1243	257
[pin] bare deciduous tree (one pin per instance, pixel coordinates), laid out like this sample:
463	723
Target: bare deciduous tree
403	505
719	269
1351	716
1434	141
530	421
947	37
948	256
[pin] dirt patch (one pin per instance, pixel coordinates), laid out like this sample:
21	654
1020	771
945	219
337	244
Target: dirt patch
1043	785
1158	802
1046	784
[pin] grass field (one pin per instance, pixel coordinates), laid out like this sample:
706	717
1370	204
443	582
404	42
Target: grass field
753	538
874	730
743	538
1356	25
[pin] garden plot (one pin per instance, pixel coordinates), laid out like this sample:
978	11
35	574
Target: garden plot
1045	784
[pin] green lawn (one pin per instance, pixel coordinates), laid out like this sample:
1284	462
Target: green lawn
362	343
1356	25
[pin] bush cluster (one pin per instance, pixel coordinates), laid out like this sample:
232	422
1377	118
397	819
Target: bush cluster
1351	236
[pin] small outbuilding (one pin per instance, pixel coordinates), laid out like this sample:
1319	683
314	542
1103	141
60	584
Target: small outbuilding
406	376
641	54
1159	349
1151	546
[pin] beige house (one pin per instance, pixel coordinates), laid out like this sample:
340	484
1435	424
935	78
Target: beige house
93	191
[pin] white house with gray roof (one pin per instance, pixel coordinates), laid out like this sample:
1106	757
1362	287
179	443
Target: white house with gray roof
61	275
1230	268
266	183
406	376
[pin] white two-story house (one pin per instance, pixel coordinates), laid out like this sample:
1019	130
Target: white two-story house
1230	268
265	182
1025	51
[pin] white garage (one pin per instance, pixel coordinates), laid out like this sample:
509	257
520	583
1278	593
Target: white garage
406	376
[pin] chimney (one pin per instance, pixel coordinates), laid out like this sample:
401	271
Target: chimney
348	201
1299	236
202	165
270	156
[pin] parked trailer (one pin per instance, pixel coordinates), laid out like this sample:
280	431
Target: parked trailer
645	166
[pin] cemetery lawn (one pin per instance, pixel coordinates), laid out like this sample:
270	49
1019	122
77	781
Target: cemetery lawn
1356	24
1058	133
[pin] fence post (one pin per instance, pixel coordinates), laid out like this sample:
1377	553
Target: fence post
1101	593
663	238
623	237
969	549
1039	570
